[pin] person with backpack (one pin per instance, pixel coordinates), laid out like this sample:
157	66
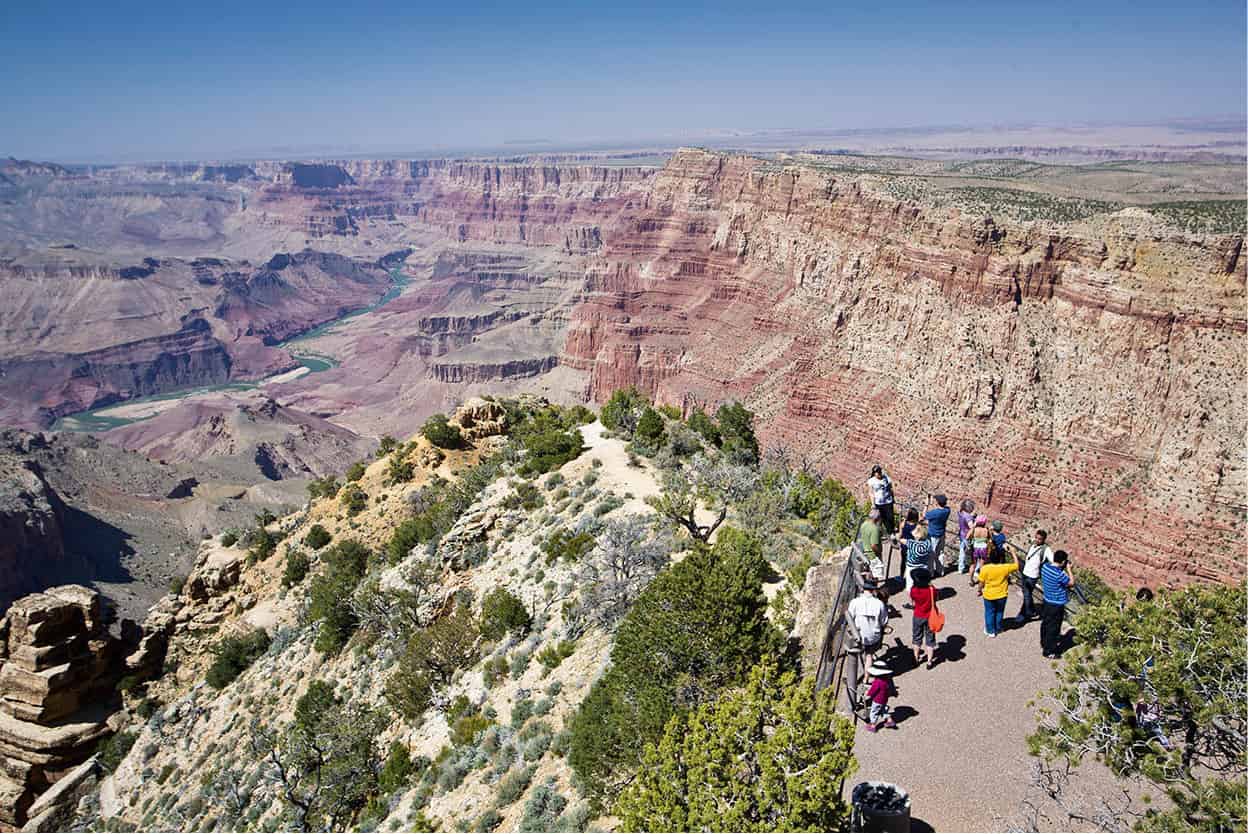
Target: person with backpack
1056	580
923	595
880	490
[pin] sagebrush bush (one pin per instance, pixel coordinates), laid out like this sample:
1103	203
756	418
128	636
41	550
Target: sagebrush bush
513	785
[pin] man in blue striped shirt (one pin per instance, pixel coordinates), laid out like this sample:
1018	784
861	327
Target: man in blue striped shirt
1056	580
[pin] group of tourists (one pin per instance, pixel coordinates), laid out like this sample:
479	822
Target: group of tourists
984	553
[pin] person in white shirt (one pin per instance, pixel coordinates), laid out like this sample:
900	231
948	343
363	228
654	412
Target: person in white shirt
1037	555
880	489
868	615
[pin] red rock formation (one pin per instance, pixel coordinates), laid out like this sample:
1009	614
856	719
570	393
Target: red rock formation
1088	385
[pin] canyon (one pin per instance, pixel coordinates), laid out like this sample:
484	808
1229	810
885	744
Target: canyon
1077	371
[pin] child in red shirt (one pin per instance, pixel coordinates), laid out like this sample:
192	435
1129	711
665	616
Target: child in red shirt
923	595
878	693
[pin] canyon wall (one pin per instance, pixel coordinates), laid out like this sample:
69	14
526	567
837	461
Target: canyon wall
1092	385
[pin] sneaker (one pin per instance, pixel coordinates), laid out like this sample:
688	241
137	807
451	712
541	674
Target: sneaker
871	728
993	634
891	724
987	633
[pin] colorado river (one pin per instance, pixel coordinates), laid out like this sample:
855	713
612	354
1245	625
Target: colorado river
141	408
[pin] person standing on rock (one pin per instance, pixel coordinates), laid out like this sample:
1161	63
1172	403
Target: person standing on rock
1037	555
1056	580
966	521
880	490
867	615
937	519
995	579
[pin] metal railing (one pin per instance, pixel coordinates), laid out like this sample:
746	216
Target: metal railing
832	655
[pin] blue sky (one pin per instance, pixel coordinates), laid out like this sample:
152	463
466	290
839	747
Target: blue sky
141	80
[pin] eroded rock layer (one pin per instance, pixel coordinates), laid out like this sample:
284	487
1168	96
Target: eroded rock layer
1090	385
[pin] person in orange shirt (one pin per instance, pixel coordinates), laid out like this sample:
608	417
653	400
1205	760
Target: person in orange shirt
994	578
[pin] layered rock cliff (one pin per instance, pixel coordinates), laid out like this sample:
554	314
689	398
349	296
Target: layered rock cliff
1087	384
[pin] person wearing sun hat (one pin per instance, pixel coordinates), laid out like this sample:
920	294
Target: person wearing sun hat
878	693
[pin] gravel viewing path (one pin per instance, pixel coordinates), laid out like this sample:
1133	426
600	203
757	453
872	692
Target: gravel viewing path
960	746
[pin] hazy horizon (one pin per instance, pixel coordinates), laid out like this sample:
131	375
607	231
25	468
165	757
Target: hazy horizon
139	81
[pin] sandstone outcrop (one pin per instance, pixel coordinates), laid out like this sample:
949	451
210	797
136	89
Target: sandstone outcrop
58	670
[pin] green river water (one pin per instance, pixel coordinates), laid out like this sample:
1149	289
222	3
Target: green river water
93	421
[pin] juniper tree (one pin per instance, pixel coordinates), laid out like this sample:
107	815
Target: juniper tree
1160	689
770	756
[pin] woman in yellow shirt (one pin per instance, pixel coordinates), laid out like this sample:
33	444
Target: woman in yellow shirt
995	579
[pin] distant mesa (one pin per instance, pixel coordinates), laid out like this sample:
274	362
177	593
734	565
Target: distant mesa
319	176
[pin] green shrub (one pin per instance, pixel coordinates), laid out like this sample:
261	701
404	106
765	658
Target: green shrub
494	670
708	612
344	566
406	536
556	653
521	711
650	434
549	448
113	749
177	583
441	433
317	537
554	479
356	471
263	545
353	499
401	470
736	426
326	487
233	655
297	567
502	612
430	658
564	545
766	729
229	538
386	445
398	769
490	820
526	496
622	411
705	426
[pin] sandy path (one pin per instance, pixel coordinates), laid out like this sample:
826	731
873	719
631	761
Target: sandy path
960	748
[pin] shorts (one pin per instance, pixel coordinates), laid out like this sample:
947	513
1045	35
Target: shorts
878	712
921	632
871	648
